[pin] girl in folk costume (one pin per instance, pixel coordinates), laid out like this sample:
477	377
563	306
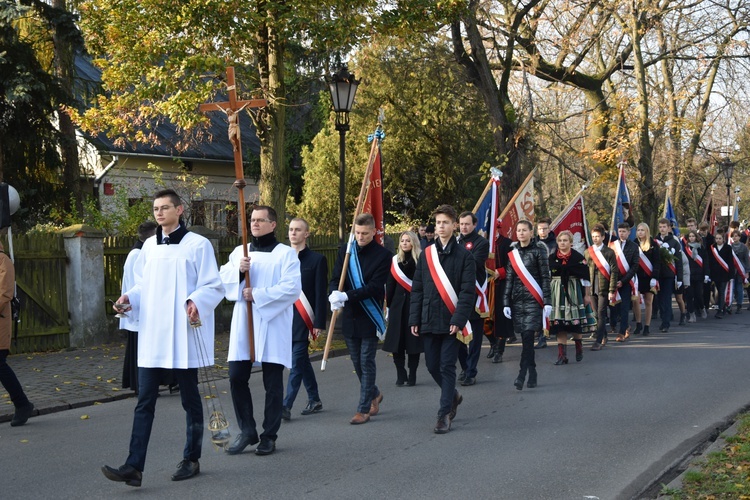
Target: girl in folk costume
528	300
699	274
648	274
398	338
722	270
571	292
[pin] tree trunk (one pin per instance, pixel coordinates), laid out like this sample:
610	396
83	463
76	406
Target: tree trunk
64	69
270	122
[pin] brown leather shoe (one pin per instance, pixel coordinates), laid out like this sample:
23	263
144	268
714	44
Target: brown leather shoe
360	418
375	404
596	347
443	425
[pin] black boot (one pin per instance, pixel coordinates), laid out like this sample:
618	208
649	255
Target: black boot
562	354
638	329
646	331
400	371
413	364
579	349
493	347
520	379
532	378
682	318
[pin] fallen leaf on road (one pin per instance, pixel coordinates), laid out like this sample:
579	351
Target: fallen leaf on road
24	440
57	389
84	417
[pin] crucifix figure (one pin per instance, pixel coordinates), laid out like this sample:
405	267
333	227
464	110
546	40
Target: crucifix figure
232	109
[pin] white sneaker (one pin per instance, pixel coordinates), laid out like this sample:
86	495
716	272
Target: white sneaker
692	318
704	314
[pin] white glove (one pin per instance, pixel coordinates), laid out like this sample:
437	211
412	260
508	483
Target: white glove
707	279
672	250
548	311
335	306
387	310
506	312
337	296
679	284
652	284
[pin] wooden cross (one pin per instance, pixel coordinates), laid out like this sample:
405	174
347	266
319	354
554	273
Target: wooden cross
232	109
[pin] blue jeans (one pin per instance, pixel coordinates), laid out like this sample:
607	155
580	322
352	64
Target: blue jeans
301	372
666	290
440	354
149	380
362	351
739	291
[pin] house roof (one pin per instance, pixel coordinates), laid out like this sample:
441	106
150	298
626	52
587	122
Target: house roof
216	146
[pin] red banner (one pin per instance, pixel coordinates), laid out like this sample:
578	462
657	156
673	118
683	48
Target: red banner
374	198
573	219
521	207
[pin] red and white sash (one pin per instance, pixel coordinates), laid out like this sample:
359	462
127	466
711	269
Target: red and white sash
624	267
603	266
528	280
729	294
443	285
482	306
671	264
399	275
696	256
647	266
306	312
718	258
739	267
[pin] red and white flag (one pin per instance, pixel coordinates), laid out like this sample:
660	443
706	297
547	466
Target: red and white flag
573	219
373	203
520	207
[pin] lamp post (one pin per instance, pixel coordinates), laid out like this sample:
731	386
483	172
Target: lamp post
343	87
727	168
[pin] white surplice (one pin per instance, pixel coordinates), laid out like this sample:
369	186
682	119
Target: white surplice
166	277
130	321
276	282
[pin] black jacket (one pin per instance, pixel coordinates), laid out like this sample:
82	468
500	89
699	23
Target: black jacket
665	271
550	242
398	333
718	273
314	271
632	256
375	261
698	272
526	311
428	311
655	258
479	248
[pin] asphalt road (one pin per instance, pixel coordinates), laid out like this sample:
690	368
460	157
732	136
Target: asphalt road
603	428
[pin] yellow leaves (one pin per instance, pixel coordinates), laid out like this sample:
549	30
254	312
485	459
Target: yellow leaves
57	389
115	357
84	417
24	441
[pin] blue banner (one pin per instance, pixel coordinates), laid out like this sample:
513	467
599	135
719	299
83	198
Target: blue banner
669	214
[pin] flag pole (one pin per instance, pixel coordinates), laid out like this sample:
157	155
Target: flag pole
484	193
621	166
345	266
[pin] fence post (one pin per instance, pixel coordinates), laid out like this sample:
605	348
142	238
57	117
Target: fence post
85	250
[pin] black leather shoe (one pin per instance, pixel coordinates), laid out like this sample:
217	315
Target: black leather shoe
312	407
266	447
511	340
498	357
286	414
22	414
469	381
462	376
457	400
242	442
124	474
186	469
443	425
542	343
519	383
491	354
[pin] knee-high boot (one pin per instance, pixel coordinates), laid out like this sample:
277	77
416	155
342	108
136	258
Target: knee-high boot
413	364
399	361
579	349
562	354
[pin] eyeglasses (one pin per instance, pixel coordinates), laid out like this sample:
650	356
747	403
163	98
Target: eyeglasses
163	208
253	221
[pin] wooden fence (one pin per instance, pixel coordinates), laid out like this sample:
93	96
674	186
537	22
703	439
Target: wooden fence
40	263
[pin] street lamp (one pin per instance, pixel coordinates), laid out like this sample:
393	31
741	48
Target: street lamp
727	168
343	87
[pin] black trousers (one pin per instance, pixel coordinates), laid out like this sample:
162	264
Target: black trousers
440	355
528	362
9	380
273	383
